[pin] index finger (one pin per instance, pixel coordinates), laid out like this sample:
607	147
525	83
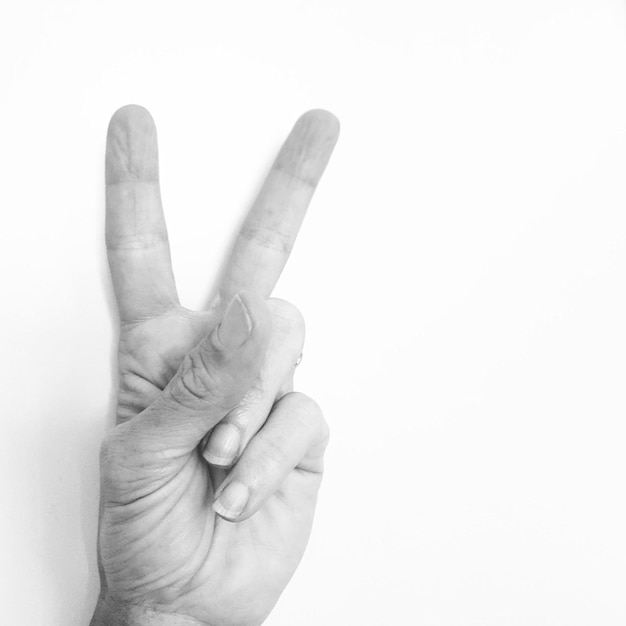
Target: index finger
272	224
136	235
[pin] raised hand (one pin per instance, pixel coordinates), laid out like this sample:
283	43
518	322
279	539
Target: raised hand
191	392
156	331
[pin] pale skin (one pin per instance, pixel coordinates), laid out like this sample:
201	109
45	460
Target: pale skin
209	480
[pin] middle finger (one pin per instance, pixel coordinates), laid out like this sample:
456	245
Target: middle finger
270	228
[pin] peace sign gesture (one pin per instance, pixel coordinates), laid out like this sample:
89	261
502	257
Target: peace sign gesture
198	386
156	332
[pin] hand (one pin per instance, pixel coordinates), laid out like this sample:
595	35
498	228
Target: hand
156	331
165	555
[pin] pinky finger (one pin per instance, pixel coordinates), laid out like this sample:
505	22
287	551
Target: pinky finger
294	436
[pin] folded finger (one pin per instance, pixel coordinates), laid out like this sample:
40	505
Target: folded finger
294	437
230	437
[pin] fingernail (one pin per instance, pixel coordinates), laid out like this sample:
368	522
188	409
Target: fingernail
236	325
223	445
232	501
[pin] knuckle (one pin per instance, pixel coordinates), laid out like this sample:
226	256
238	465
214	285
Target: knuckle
267	237
305	404
273	455
268	464
195	381
323	430
287	318
308	412
243	413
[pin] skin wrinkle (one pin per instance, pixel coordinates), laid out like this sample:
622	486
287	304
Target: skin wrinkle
143	497
190	388
130	385
134	611
252	397
267	238
201	553
155	525
187	578
131	178
135	383
297	178
143	390
197	380
140	241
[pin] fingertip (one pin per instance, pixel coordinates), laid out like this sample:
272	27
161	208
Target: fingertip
320	122
223	445
131	114
258	310
307	150
231	501
131	152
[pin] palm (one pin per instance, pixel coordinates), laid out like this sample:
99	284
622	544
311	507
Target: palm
151	351
262	552
213	564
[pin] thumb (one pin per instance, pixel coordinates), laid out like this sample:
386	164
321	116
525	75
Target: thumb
210	381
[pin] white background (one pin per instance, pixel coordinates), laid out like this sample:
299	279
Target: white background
462	271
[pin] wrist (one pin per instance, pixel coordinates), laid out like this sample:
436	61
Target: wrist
113	613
